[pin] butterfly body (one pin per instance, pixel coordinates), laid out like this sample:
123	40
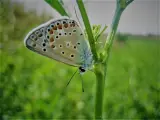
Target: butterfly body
61	40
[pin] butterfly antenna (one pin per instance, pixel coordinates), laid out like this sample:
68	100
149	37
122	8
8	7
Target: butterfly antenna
71	78
82	82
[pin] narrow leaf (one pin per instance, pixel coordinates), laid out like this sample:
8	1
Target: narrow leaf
57	6
96	38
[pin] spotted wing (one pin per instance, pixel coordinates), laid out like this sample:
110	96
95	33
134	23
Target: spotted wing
60	39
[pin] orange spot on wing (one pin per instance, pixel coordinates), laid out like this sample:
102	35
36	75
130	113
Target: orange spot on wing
51	39
71	25
53	46
66	25
60	26
51	32
55	28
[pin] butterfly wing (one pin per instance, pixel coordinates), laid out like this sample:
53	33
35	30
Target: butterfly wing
60	39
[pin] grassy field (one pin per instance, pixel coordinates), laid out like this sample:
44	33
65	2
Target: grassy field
31	85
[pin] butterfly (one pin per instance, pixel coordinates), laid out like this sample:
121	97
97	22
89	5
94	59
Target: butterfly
62	40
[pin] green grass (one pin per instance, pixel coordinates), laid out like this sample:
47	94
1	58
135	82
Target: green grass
31	85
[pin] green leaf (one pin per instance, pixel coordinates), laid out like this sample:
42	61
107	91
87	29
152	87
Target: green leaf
57	6
100	33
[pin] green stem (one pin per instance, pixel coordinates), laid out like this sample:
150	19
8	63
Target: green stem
99	76
110	37
88	28
120	7
101	69
100	83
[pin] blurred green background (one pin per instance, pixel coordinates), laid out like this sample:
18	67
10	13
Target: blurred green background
31	85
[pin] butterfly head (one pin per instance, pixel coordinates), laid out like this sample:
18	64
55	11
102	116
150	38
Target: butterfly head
88	62
82	70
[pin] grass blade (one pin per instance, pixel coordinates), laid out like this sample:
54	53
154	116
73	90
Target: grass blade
57	6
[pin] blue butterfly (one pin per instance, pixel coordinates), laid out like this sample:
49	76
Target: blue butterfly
62	40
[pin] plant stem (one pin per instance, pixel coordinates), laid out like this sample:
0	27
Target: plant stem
110	37
101	69
100	83
88	28
120	7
